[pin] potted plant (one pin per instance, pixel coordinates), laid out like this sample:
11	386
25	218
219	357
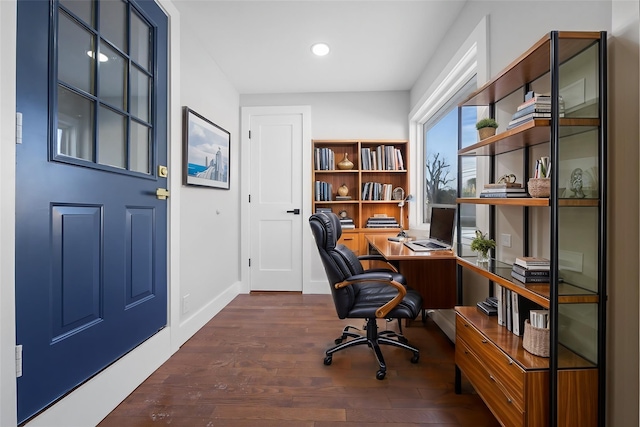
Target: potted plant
482	244
486	127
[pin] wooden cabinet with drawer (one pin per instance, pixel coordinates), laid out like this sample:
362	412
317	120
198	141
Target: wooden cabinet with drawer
352	241
516	396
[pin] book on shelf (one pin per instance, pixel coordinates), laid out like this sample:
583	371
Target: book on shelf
339	198
323	191
507	309
532	271
487	308
325	210
531	116
502	185
324	159
529	279
503	195
532	261
500	292
532	108
504	190
521	308
382	222
539	318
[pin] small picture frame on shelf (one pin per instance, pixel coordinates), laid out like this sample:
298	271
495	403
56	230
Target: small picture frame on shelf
206	152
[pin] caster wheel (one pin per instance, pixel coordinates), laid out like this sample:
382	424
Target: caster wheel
380	374
328	360
338	341
415	358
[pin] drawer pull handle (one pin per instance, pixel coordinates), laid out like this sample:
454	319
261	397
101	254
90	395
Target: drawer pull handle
491	378
348	238
466	325
484	341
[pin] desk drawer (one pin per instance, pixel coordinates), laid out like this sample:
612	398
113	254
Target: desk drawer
492	391
351	241
504	369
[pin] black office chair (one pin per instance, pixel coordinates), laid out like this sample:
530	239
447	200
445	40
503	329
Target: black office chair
363	294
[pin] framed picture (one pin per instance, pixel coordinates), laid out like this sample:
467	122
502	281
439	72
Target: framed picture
206	151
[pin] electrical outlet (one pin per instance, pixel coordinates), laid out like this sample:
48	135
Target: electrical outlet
505	240
186	303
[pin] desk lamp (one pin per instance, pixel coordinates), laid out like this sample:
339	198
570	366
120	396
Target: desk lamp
402	233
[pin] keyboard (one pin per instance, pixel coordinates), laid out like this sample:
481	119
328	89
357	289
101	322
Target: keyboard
430	245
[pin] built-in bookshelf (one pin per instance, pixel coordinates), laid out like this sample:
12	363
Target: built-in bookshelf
375	184
520	387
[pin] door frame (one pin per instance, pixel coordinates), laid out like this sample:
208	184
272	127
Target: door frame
245	189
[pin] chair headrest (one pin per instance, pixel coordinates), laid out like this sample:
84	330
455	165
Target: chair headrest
331	226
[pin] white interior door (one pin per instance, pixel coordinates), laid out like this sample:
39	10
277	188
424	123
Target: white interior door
276	202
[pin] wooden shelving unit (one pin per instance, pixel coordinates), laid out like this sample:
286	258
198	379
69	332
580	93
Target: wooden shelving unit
357	208
568	386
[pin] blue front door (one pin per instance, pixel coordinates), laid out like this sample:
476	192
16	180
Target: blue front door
91	235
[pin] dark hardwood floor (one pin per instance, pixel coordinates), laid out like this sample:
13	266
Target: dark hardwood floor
259	362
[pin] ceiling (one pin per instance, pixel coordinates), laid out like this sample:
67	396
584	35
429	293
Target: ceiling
264	46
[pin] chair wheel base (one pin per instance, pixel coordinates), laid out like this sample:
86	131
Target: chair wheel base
381	374
415	358
328	360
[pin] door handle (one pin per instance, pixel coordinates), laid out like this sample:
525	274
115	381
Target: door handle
162	193
294	211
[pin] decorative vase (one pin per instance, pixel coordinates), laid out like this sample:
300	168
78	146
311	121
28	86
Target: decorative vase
345	163
483	258
343	190
486	132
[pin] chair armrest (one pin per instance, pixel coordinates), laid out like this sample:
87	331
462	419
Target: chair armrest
379	258
380	277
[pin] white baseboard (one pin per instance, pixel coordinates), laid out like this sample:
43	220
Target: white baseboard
446	320
91	402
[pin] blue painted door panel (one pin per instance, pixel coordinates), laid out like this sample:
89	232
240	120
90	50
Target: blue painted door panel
91	242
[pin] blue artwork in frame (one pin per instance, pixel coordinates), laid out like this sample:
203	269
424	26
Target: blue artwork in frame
207	148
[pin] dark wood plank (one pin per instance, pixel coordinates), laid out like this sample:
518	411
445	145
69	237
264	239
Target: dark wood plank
259	362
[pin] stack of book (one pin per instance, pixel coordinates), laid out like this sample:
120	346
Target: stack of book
510	189
535	106
347	223
531	270
322	191
382	222
489	306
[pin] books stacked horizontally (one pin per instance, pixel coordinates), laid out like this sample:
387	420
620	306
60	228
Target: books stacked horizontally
347	223
382	221
535	106
502	190
531	270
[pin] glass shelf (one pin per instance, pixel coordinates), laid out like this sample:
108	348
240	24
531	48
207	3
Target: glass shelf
500	273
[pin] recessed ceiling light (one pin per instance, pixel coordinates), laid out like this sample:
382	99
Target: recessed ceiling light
101	57
320	49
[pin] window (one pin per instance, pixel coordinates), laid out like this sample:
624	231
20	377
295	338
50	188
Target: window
440	162
105	75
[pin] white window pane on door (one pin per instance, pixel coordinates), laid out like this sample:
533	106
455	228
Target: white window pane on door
83	9
76	53
112	139
140	42
140	94
112	76
75	125
113	23
140	152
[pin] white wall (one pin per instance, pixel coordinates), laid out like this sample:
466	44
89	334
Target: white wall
209	219
623	273
341	115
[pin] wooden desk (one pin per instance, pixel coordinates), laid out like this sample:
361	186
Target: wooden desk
433	274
